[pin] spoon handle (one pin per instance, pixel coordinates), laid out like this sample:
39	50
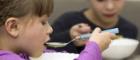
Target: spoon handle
86	36
71	41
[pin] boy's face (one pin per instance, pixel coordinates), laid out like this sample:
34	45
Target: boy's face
107	10
34	34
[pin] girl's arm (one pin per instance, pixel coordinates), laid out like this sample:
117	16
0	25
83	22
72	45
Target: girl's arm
91	52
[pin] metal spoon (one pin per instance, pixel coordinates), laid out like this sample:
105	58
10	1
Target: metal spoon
59	44
81	37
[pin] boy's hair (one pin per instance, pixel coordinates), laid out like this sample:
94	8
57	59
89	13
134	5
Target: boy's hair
20	8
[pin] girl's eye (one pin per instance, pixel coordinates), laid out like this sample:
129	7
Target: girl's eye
100	0
43	22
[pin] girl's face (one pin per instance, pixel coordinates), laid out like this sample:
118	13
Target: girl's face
34	34
107	10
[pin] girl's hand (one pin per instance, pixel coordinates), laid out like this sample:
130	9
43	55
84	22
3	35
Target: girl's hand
103	39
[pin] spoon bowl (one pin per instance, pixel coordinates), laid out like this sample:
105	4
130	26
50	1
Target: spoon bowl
56	44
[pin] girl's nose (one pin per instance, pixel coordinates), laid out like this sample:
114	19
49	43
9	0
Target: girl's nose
49	29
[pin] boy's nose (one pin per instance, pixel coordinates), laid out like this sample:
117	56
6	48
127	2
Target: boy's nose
110	5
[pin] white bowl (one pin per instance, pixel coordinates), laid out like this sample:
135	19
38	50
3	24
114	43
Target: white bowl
56	56
120	48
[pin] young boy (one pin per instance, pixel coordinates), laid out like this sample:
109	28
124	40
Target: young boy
100	13
24	31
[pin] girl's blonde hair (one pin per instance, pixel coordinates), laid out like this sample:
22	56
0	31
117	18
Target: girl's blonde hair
20	8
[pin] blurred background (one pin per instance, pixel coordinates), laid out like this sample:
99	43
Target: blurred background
130	12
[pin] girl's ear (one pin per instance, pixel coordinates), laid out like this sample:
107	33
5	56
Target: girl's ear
12	26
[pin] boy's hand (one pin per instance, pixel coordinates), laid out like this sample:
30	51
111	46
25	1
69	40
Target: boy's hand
77	30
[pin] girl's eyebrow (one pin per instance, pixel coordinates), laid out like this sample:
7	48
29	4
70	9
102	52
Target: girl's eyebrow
100	0
44	19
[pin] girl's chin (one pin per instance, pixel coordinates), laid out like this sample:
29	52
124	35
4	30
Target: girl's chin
37	54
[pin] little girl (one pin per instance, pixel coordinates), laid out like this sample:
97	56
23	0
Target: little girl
24	31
